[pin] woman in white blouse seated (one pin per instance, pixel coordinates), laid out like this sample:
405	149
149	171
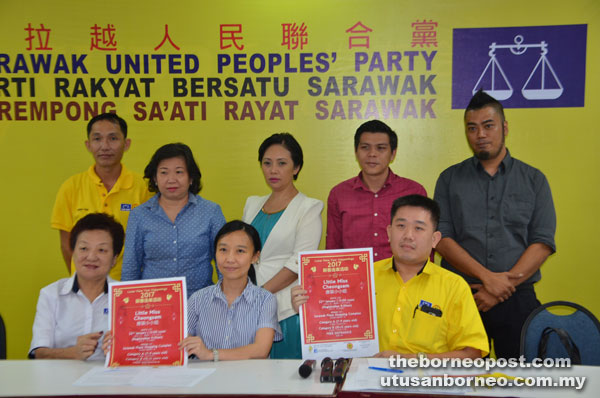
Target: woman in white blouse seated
72	313
288	222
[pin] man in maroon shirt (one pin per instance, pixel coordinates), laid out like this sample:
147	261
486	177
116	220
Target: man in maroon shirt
358	208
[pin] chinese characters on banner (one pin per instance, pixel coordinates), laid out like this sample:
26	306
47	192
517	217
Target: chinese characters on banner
424	34
339	319
103	39
359	36
42	34
148	319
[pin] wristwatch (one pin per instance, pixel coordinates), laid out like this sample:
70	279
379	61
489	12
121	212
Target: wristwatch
215	355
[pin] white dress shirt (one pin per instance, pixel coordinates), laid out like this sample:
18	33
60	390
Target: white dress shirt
62	315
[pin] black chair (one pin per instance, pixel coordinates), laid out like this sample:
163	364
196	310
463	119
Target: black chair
548	335
2	339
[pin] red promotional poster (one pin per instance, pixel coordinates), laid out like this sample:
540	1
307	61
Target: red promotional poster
339	319
148	319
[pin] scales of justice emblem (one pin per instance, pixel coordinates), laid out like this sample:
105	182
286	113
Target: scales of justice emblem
549	86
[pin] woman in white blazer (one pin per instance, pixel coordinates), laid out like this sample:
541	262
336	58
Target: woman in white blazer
288	222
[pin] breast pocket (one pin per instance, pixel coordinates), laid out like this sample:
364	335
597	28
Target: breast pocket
79	213
427	331
518	209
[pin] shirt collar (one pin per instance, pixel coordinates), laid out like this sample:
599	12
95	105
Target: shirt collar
426	269
72	286
125	180
504	166
249	294
153	204
357	182
193	199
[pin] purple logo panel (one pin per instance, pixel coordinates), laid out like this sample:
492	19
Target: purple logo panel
523	67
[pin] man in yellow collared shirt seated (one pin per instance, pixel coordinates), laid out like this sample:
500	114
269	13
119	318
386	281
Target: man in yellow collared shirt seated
106	187
422	309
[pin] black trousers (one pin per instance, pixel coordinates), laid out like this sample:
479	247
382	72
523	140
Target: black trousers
503	323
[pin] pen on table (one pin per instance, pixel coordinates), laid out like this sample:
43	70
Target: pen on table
386	369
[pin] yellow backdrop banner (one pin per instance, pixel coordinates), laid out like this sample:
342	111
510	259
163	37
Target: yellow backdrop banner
221	76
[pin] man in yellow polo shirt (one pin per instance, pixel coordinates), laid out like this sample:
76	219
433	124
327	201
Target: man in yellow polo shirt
107	186
422	309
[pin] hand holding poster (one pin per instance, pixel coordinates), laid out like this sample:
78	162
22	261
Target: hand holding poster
339	319
148	319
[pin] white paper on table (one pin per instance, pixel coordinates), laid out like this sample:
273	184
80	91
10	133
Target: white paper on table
365	379
379	362
140	376
170	377
101	376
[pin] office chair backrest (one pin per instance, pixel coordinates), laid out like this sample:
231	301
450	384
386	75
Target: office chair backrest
559	333
2	339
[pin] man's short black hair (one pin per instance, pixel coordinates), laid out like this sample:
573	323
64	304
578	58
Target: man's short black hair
111	117
288	142
175	150
375	126
418	201
481	99
103	222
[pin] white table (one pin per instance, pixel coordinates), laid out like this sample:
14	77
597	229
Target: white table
361	382
253	377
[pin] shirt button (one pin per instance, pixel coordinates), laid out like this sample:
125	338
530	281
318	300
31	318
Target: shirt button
398	308
174	242
376	195
375	214
490	256
375	234
395	331
175	259
226	337
103	194
491	217
376	254
174	226
229	322
106	205
492	198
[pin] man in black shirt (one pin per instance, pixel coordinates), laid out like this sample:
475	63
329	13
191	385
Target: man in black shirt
497	223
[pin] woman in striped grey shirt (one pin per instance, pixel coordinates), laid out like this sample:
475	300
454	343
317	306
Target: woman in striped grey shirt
233	319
